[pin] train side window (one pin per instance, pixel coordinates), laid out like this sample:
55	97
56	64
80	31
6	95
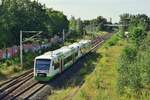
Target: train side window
68	59
56	65
76	54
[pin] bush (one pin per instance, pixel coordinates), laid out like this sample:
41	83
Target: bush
28	59
126	70
83	94
144	61
97	82
113	40
8	63
16	60
137	35
0	73
16	69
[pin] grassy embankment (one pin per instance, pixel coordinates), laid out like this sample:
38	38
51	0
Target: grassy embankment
102	83
11	67
98	75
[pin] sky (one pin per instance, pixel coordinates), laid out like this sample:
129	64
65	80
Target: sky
89	9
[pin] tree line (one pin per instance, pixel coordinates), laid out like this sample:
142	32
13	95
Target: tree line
81	27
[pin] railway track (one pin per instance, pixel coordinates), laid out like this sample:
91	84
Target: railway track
16	78
25	87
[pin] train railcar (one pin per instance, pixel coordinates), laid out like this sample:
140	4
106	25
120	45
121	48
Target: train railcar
51	63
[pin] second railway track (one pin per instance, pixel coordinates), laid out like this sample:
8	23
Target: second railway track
25	87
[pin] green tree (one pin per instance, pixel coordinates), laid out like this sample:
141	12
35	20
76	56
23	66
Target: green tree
137	35
127	77
125	20
97	24
76	26
58	21
72	24
28	15
79	27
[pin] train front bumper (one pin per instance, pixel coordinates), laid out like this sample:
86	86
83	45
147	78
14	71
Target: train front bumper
38	78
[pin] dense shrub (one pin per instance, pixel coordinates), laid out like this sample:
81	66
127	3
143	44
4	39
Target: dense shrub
134	67
137	35
16	69
127	57
113	40
144	65
143	60
83	94
8	62
28	59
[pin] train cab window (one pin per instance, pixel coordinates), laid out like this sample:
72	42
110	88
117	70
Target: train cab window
42	64
56	65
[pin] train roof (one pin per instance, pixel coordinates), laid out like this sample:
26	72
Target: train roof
58	52
84	41
48	53
74	46
62	51
65	49
44	57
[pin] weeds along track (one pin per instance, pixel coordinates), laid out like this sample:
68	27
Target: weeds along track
25	87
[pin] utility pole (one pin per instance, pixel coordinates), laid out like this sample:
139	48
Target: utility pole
21	43
63	35
0	2
110	20
21	47
84	32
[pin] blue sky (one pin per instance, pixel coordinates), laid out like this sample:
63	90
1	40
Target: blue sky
88	9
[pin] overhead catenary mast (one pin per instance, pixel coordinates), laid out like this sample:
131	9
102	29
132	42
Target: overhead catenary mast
21	42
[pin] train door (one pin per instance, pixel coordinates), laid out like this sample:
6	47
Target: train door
73	57
61	65
56	66
79	52
76	55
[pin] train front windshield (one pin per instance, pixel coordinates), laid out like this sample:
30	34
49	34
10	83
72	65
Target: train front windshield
43	64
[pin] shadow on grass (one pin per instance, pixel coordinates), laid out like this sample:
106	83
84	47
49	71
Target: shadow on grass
75	75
